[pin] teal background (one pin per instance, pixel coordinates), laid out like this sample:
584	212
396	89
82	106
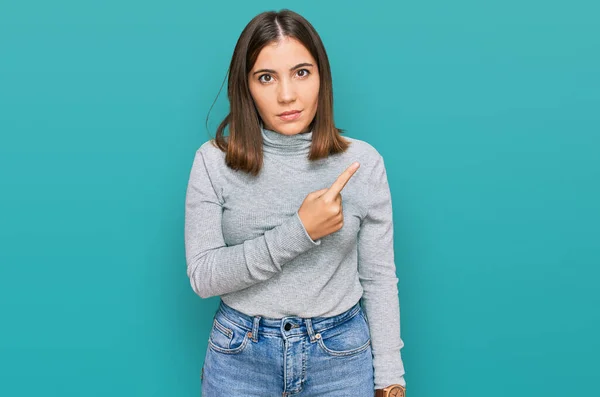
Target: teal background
487	115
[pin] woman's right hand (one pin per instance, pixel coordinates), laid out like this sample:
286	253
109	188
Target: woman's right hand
321	211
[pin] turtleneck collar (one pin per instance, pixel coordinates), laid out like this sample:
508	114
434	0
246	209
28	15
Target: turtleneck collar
274	142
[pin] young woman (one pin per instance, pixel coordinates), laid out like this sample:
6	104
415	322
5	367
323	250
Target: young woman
291	225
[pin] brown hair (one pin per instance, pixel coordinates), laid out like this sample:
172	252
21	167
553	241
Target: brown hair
244	150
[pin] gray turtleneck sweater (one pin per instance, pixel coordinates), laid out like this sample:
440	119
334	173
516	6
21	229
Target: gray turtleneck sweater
245	242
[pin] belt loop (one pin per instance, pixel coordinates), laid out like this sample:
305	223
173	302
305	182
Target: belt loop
255	328
309	328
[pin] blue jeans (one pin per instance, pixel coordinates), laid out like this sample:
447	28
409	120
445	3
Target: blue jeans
263	357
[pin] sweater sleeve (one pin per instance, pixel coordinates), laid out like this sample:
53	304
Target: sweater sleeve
215	268
377	274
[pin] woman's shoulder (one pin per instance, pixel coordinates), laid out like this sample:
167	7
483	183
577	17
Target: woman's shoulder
210	151
211	158
362	151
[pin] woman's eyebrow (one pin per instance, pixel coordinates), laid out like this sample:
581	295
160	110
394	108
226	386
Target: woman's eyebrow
291	69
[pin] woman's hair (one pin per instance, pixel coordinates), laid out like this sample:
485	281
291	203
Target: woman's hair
243	146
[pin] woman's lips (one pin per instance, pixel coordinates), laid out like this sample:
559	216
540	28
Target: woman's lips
290	117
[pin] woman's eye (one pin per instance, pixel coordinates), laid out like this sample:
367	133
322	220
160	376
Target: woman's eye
303	75
264	75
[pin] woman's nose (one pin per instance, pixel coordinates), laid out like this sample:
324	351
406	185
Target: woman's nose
287	91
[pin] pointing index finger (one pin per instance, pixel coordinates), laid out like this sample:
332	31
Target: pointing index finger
341	181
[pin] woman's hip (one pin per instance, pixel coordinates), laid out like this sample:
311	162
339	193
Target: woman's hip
254	355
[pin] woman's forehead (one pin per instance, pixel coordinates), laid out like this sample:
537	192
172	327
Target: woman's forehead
283	55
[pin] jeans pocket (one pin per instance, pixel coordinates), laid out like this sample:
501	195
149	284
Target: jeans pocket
227	337
347	338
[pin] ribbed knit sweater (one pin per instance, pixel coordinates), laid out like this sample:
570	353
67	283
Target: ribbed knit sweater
246	243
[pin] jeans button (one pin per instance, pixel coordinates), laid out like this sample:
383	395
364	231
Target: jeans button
287	326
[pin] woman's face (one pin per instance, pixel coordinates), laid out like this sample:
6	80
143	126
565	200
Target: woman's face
285	77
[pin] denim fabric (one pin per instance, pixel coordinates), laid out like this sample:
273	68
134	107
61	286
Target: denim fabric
292	356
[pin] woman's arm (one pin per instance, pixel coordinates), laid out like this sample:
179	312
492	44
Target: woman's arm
377	274
215	268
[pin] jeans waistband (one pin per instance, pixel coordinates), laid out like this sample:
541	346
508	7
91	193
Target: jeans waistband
289	326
